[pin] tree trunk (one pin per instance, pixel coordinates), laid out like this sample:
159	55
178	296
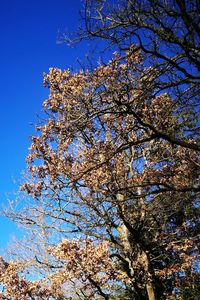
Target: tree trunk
149	285
150	291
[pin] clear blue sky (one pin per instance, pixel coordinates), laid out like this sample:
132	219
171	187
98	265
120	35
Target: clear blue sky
28	31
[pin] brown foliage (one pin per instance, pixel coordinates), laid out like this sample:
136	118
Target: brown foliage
117	160
121	155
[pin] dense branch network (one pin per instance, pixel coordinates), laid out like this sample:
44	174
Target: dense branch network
114	169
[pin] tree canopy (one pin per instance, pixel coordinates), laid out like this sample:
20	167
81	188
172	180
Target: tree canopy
114	168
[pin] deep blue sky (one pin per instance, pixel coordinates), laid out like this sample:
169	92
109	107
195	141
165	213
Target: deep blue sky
28	31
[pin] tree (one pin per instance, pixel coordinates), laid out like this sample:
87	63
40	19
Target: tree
109	173
117	161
